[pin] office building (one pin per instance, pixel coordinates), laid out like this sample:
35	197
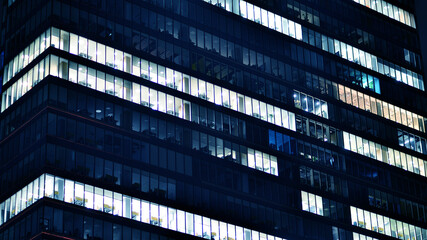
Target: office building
215	119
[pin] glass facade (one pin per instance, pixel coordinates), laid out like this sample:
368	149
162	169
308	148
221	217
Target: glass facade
341	49
114	203
390	11
215	119
385	225
162	102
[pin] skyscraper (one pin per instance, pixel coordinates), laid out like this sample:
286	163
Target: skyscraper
215	119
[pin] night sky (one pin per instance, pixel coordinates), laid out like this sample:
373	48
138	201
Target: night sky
421	13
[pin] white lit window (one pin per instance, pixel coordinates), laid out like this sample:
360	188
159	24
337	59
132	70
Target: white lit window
88	197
